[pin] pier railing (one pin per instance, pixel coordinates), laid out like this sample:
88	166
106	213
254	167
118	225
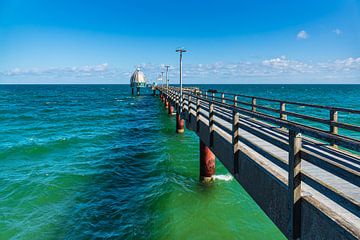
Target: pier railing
226	114
332	135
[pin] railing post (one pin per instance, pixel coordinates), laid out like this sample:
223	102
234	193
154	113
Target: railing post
235	140
189	109
198	115
211	123
212	96
253	104
206	95
183	100
222	98
294	185
333	129
283	115
235	101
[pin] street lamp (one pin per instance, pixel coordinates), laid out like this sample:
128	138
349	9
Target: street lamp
162	79
166	78
181	50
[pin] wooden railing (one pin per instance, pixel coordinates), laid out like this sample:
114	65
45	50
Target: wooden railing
230	110
332	135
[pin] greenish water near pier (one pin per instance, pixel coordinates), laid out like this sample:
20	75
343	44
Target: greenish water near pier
92	161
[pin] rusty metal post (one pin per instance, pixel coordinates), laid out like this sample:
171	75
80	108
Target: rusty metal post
207	163
166	103
170	109
179	122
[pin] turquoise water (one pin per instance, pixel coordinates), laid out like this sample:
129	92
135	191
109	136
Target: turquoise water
89	162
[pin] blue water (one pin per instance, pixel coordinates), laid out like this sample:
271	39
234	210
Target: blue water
92	161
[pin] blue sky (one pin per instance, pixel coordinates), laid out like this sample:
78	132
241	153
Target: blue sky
227	41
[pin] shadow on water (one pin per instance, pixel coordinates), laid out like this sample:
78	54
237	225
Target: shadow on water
115	203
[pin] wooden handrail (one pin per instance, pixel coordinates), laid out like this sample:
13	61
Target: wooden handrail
335	139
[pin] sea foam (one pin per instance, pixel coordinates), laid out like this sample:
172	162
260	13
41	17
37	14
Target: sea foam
224	177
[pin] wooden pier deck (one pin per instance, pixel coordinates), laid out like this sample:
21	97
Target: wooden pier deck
305	178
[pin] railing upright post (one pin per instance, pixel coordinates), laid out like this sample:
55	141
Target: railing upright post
206	95
235	101
198	115
235	140
176	101
283	115
183	100
294	185
212	96
222	98
253	104
333	129
211	123
189	109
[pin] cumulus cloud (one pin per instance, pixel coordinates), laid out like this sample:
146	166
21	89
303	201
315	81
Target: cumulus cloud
337	31
286	65
302	35
65	70
277	69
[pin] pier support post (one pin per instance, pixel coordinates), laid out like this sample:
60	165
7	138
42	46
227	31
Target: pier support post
166	104
207	163
132	91
154	92
170	109
138	91
179	122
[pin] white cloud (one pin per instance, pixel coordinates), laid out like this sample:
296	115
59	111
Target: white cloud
287	66
302	35
337	31
96	69
272	70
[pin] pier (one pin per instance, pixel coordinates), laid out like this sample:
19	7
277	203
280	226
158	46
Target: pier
305	178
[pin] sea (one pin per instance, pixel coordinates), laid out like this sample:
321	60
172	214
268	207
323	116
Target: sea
95	162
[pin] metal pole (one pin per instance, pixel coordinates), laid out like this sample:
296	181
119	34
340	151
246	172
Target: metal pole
162	79
166	78
181	94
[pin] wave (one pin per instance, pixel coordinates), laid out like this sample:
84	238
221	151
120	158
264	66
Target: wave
224	177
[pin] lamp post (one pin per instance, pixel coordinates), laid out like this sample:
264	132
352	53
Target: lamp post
179	121
162	79
180	50
166	78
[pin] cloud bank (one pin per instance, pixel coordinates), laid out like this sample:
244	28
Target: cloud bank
274	70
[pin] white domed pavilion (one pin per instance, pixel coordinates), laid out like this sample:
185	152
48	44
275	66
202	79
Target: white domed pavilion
137	81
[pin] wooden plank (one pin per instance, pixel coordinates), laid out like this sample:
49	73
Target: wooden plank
331	193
